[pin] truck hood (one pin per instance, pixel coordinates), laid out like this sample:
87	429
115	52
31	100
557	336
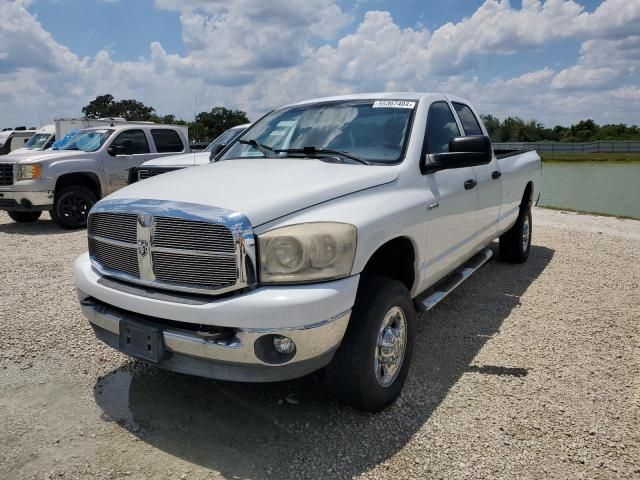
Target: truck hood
40	156
181	160
262	189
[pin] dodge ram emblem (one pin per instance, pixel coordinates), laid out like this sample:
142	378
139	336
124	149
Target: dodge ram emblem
143	247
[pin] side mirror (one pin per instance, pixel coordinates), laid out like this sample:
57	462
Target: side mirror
463	152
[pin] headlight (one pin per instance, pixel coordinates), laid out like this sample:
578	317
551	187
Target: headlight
30	171
307	252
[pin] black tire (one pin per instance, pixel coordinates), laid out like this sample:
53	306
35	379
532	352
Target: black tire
515	244
71	207
24	217
352	375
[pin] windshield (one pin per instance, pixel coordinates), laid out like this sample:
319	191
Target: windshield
37	141
372	131
225	138
4	136
58	144
88	140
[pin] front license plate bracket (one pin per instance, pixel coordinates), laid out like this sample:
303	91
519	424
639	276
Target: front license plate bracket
142	341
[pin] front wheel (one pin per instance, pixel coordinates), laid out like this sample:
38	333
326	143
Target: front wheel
71	207
24	217
372	362
515	244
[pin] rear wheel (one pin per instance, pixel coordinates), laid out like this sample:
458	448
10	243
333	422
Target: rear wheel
72	205
371	365
515	244
24	217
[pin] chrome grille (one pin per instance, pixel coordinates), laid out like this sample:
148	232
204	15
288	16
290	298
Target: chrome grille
213	272
6	174
152	172
115	226
192	235
187	254
115	257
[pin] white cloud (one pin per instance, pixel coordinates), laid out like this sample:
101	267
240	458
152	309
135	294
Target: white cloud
256	55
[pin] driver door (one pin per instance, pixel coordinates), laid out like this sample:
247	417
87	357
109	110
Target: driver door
450	210
128	150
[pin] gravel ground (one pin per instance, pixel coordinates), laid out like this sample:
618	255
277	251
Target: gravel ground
526	371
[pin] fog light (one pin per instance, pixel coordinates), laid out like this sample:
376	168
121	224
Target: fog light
283	345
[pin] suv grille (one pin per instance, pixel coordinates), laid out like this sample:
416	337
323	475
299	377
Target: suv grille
152	172
6	174
183	253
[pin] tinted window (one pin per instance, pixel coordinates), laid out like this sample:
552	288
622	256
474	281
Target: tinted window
441	128
468	119
138	139
167	140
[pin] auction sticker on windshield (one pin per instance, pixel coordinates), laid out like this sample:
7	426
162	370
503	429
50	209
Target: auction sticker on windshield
393	104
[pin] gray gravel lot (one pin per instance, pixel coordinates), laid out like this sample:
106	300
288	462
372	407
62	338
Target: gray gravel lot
526	371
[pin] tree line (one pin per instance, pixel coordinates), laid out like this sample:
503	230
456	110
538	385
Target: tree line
514	129
208	125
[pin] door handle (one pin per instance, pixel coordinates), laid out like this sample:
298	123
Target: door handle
469	184
496	174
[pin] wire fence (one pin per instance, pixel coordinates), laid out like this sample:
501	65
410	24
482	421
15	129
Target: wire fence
565	147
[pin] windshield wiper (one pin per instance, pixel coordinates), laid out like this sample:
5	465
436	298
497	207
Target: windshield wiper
316	150
264	149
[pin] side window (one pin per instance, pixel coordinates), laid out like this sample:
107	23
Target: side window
167	140
138	141
468	119
441	127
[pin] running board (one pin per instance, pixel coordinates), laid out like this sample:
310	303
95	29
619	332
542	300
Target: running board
449	284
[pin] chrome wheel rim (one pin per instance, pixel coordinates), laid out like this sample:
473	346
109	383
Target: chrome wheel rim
390	346
526	232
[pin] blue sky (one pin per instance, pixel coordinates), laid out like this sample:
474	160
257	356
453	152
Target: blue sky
557	60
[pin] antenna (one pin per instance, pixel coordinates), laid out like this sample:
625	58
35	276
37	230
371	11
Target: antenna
195	92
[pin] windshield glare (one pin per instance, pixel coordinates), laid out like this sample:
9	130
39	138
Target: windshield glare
37	141
88	140
375	131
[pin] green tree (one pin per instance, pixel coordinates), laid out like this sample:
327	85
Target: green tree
107	106
213	123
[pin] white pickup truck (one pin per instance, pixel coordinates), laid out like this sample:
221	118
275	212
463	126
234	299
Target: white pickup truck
310	243
154	167
96	162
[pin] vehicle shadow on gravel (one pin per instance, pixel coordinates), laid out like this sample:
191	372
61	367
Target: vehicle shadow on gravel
294	429
42	226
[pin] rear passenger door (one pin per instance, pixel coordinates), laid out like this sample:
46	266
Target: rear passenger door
167	142
132	149
489	186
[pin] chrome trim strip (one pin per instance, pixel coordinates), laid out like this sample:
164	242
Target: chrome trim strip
198	253
117	243
144	235
236	222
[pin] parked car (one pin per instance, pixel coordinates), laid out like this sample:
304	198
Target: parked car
96	162
309	243
40	140
175	162
11	140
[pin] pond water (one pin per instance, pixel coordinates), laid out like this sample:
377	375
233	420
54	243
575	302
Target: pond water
601	188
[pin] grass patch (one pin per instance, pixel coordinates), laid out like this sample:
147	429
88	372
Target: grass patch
586	212
591	157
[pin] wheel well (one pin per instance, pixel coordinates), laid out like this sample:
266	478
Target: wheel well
527	197
88	180
395	259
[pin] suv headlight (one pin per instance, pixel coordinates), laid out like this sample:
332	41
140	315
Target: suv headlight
307	252
29	171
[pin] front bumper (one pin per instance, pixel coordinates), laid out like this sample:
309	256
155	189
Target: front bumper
26	201
315	317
